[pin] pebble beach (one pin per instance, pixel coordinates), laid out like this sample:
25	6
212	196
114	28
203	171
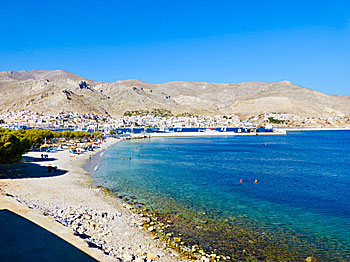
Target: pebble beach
98	224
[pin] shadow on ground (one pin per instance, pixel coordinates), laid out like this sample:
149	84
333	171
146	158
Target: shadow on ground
23	240
27	170
30	159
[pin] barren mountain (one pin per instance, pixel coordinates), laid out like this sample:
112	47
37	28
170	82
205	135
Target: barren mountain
57	91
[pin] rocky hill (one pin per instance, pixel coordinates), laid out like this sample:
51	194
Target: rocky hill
57	91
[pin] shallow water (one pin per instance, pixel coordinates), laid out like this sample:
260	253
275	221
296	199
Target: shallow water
300	205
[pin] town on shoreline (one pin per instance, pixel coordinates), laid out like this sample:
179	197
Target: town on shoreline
104	123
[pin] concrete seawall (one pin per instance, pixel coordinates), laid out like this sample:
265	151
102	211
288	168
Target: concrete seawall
206	134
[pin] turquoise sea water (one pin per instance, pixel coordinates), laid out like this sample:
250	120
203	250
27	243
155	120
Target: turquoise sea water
299	207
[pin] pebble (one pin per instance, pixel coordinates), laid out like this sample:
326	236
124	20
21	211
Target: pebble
139	259
152	256
94	227
177	239
129	257
311	259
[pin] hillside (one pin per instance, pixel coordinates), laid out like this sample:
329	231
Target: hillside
57	91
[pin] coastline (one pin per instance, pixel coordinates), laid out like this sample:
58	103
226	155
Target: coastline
73	193
206	134
205	224
68	206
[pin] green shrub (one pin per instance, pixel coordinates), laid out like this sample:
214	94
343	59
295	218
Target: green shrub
13	144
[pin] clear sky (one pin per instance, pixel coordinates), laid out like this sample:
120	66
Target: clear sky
305	42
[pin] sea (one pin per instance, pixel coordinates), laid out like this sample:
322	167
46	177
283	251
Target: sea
249	198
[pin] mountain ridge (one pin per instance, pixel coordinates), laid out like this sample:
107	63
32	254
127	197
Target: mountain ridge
53	91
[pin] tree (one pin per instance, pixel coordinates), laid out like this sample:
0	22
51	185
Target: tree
70	135
37	136
13	145
97	135
80	134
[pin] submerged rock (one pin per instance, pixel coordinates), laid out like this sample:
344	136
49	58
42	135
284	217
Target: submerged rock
311	259
177	239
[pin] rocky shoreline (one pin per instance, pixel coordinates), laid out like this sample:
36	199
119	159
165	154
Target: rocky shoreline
106	226
116	226
96	228
193	235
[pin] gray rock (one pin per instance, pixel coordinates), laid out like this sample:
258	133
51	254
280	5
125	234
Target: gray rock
129	257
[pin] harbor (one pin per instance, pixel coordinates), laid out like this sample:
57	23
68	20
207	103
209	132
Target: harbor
197	132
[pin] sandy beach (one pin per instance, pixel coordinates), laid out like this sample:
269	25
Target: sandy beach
65	203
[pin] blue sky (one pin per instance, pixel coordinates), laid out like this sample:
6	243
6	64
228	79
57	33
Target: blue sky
305	42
